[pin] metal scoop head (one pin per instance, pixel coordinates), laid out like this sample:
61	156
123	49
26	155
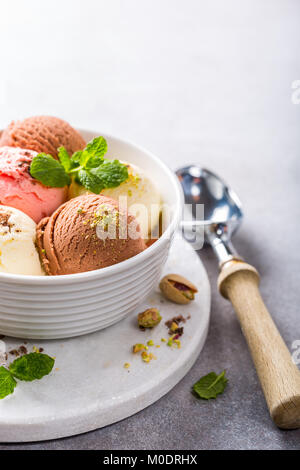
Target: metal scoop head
222	208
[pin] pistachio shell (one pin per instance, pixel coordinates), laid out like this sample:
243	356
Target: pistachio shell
173	293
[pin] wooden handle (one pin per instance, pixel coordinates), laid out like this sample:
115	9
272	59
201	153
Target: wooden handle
279	376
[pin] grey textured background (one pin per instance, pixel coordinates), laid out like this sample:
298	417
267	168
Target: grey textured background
194	81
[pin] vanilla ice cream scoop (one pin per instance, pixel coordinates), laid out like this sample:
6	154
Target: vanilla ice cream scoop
18	254
143	198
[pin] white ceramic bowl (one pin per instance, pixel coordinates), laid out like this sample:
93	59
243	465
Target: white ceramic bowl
54	307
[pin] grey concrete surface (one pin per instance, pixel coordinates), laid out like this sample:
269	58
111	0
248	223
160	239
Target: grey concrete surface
196	81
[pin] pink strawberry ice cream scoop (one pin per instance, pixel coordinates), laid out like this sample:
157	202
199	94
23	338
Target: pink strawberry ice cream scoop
42	134
18	189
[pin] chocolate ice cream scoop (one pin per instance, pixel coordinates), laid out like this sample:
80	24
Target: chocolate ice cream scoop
87	233
42	134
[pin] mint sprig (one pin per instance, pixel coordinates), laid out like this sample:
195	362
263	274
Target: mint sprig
210	385
110	173
97	147
88	167
90	181
29	367
64	158
49	171
7	382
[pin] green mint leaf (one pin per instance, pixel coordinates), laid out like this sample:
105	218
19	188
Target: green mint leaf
90	181
31	366
84	157
75	160
92	156
97	147
94	162
49	171
76	156
210	385
111	173
64	158
7	382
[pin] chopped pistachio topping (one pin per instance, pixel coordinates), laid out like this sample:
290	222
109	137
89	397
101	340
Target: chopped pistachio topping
137	348
105	216
145	357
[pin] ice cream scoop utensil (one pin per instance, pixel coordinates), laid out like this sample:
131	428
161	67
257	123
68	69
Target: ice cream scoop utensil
238	282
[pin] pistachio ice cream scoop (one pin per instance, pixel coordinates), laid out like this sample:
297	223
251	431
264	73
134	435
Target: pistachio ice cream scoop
143	198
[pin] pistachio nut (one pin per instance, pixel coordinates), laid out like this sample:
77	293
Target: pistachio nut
149	318
138	347
177	289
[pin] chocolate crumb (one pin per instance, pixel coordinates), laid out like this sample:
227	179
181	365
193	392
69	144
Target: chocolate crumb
24	163
169	323
4	220
179	331
177	320
14	352
180	318
22	350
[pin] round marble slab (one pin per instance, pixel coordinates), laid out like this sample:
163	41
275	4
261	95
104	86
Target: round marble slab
89	386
